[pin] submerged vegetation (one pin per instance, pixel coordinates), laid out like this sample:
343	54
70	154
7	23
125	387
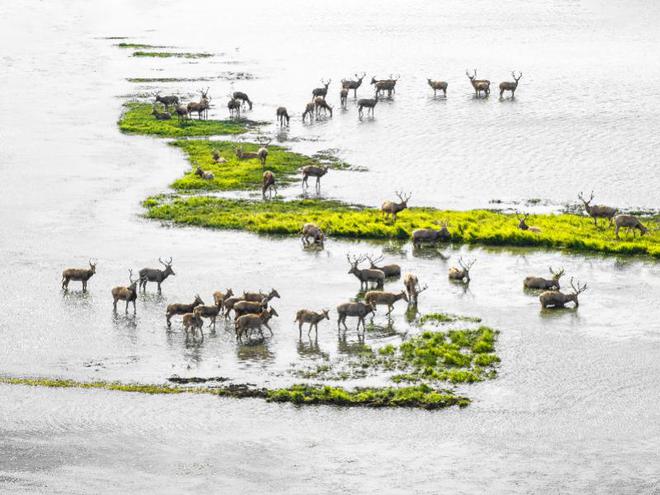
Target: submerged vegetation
138	46
167	79
171	54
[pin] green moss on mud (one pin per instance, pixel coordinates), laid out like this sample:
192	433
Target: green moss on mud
172	54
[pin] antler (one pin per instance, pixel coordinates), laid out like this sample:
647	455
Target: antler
579	289
422	289
584	200
355	260
402	197
130	276
374	261
466	265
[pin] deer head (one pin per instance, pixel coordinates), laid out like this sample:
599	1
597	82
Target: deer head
516	78
404	199
587	203
92	265
132	283
326	84
471	78
354	261
466	265
325	313
577	291
521	221
273	293
168	265
198	300
373	261
556	275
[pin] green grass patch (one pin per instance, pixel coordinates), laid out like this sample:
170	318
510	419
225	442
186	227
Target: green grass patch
137	119
560	231
138	46
171	54
441	318
167	79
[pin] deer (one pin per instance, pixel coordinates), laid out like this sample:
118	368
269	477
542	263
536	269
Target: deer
510	86
343	97
239	95
249	322
430	236
201	107
556	299
380	298
181	112
353	84
160	115
544	283
78	275
461	274
234	107
309	110
260	296
181	309
368	103
597	211
313	171
392	270
204	174
167	101
438	85
193	321
366	275
321	92
383	85
321	104
268	184
311	230
217	158
413	289
282	116
522	224
228	304
311	317
249	307
219	298
630	223
128	294
156	274
210	311
391	208
479	85
358	310
262	152
248	155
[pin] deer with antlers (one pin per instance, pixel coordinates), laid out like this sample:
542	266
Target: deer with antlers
479	85
313	171
311	317
268	185
438	86
522	224
128	294
353	84
392	270
369	104
201	107
391	208
282	116
430	236
462	272
556	299
204	174
321	92
365	275
544	283
630	223
381	298
510	86
311	230
243	98
78	275
321	104
383	85
181	309
413	289
156	274
597	211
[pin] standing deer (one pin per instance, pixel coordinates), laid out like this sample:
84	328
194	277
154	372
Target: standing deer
262	152
343	97
204	174
556	299
181	112
321	104
78	275
234	107
160	115
313	171
309	110
630	223
383	85
461	274
510	86
368	103
128	294
260	296
193	321
392	270
522	225
365	275
219	298
431	236
282	116
358	310
544	283
353	84
311	317
155	274
202	106
249	307
313	231
438	85
597	211
413	289
380	298
181	309
391	208
268	184
167	101
249	322
321	92
228	304
479	85
239	95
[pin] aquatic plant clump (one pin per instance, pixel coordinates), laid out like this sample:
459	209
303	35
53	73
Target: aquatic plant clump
138	119
172	54
138	46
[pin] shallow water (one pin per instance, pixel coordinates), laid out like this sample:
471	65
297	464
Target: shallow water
574	408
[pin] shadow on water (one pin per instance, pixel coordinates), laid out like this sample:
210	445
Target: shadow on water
255	349
309	347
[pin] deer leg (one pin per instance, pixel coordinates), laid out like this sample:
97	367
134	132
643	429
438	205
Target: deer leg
114	305
84	284
126	311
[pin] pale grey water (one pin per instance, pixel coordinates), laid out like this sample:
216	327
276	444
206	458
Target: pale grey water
574	408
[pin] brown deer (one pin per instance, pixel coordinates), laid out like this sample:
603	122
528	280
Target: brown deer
282	116
249	322
321	92
391	208
219	298
309	110
156	274
310	230
128	294
380	298
358	310
167	101
160	115
343	97
78	275
311	317
313	171
411	283
630	223
479	85
229	303
202	106
430	236
260	296
392	270
242	97
544	283
181	112
556	299
234	107
461	274
353	84
321	104
181	309
217	158
522	224
193	322
438	85
261	154
249	307
268	184
211	312
204	174
383	85
369	104
366	275
510	86
597	211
